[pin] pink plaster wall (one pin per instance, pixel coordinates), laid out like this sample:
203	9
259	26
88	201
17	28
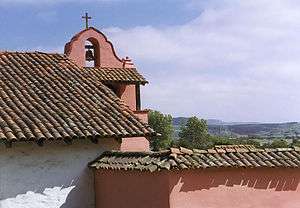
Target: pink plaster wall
127	92
135	144
105	53
129	97
131	189
143	115
243	188
210	188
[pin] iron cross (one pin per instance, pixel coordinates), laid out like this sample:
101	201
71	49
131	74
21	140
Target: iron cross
86	17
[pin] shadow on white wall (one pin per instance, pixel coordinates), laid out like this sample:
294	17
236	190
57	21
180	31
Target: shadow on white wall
53	176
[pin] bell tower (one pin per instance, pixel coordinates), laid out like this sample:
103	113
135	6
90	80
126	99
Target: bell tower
90	45
91	50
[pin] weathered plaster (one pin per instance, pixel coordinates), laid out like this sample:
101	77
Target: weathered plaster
213	188
52	176
243	188
135	144
143	115
132	189
129	96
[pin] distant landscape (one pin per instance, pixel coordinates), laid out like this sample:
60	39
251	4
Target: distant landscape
216	127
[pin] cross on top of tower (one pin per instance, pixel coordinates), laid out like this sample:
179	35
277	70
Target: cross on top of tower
86	17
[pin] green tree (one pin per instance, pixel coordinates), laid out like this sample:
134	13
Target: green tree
217	140
277	143
248	141
296	142
194	134
161	124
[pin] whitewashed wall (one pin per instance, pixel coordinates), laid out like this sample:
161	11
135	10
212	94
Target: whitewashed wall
52	176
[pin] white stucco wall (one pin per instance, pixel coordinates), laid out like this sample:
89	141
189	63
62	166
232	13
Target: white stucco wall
52	176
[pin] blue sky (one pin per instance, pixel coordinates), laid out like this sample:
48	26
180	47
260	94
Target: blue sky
33	23
234	60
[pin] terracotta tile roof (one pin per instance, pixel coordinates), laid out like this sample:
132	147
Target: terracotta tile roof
128	75
47	96
232	156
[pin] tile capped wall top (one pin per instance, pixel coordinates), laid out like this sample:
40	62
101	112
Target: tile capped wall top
226	156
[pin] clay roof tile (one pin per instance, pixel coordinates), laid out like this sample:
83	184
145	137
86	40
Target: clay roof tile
46	96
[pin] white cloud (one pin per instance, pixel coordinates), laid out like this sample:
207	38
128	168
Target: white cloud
238	60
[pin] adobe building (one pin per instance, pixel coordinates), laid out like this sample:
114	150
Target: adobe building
60	111
226	176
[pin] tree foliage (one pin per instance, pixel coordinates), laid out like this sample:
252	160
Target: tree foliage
276	143
296	142
194	134
161	124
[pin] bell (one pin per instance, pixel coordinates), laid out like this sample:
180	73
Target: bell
89	56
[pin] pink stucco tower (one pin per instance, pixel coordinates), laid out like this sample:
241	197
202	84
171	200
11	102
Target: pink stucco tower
91	50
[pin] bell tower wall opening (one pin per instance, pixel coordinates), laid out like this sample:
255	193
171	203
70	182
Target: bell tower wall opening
92	53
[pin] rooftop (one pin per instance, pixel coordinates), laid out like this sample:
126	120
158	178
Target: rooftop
48	97
126	75
227	156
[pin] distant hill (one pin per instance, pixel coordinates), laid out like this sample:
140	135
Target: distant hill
242	129
177	121
183	120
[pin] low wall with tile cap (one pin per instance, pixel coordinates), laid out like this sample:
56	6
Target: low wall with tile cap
202	188
52	176
240	187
